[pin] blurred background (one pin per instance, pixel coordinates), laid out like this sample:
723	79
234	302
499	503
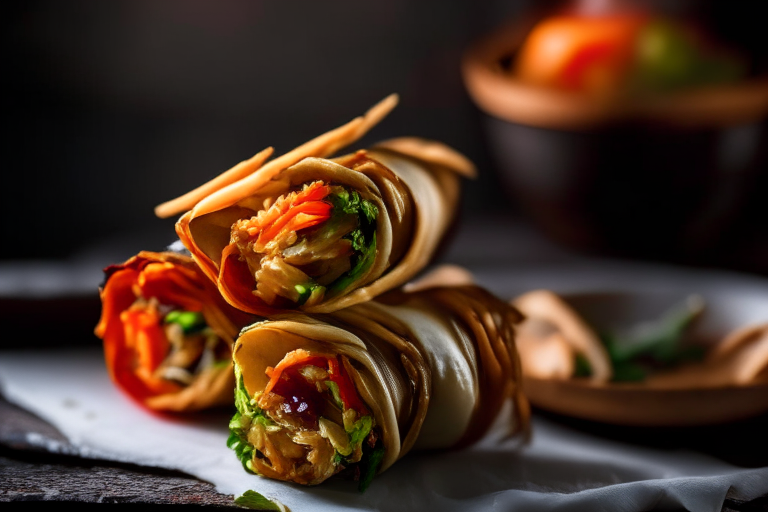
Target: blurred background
110	108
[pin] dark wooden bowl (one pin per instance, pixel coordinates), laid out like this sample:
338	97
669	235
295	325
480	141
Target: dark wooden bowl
665	176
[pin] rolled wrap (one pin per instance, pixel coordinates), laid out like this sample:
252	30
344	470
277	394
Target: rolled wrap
167	333
304	232
431	369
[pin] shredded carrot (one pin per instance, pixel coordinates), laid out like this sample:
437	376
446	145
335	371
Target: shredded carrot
297	210
302	216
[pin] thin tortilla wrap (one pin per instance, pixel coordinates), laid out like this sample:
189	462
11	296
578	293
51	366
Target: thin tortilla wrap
416	198
136	297
433	367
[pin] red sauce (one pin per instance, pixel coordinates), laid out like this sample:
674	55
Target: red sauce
302	400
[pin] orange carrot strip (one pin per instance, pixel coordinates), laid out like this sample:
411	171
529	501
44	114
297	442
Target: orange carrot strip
316	212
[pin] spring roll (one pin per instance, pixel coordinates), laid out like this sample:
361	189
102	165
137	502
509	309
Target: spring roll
305	232
357	389
167	333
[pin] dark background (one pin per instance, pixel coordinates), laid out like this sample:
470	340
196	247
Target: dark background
110	108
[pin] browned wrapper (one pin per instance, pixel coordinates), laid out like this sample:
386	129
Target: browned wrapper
254	230
432	369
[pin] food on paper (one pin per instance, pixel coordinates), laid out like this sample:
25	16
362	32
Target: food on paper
167	333
355	390
317	234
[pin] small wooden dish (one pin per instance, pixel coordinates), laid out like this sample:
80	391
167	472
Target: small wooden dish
660	405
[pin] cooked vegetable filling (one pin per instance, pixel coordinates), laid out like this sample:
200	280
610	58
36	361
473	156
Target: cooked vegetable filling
308	243
306	425
170	344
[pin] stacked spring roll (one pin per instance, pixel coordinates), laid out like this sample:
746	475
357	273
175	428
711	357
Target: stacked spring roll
347	374
357	389
305	232
167	333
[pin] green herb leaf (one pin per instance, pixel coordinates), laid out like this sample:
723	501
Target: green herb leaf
654	344
362	264
190	321
659	339
363	238
360	430
369	464
256	501
583	368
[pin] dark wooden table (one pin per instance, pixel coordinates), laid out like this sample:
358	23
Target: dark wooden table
31	474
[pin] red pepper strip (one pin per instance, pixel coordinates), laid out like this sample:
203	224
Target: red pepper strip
295	358
347	391
262	222
172	284
144	334
314	192
236	281
301	357
116	297
144	350
128	340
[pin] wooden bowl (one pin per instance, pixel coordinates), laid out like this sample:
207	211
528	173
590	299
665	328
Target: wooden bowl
665	176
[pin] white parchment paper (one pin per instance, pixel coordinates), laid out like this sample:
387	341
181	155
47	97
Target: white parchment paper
561	469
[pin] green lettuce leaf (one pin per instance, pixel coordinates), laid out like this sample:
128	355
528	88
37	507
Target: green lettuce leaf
256	501
360	430
363	237
247	413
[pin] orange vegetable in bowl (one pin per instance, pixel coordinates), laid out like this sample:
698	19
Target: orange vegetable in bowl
617	53
590	54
